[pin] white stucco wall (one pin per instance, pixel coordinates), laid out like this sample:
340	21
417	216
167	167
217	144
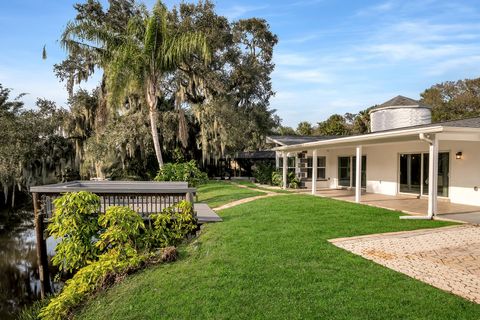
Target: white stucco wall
383	164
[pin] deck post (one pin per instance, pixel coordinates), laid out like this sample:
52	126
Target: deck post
42	257
358	175
432	177
189	197
284	169
314	171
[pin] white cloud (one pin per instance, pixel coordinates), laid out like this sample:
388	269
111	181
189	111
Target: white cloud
238	11
412	51
470	66
291	59
377	9
312	76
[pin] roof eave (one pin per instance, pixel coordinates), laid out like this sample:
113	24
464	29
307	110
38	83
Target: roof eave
360	138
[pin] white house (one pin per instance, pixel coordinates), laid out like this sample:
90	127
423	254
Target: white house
404	154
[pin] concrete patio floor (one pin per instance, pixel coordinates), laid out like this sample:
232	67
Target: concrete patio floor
408	204
447	258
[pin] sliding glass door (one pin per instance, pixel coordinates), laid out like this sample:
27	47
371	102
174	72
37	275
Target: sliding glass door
414	173
410	173
347	170
443	173
344	172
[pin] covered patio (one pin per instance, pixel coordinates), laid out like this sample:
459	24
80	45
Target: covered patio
424	170
408	204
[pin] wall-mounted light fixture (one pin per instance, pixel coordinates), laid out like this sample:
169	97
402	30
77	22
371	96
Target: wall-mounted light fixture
458	155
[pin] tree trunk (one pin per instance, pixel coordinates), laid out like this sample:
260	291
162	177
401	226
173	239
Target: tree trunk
13	195
152	111
156	143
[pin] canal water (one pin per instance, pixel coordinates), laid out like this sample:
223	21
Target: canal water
19	279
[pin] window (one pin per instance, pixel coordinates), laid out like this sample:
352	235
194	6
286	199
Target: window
321	164
290	164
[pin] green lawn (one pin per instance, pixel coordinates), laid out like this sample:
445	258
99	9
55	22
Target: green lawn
217	193
270	258
250	184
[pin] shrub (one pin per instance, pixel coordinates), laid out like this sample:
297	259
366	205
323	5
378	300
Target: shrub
277	178
75	223
122	226
107	246
172	225
186	171
263	172
88	279
292	180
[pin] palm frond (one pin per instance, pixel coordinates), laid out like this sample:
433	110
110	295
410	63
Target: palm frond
180	47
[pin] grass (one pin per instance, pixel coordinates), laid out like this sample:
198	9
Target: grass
252	185
217	193
270	258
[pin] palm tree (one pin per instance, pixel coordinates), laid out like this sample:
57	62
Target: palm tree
138	60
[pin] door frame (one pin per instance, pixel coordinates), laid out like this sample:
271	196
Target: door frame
352	178
422	195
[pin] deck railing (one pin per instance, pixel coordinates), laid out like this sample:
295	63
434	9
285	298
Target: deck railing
144	197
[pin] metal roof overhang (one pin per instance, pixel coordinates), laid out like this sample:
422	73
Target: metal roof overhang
401	135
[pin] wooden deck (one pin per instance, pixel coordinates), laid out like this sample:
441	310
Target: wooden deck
205	214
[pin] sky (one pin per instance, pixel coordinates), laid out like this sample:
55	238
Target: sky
333	56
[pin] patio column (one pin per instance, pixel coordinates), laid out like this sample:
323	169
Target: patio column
297	167
432	177
285	159
314	171
358	174
277	160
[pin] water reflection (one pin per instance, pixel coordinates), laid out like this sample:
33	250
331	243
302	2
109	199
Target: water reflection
19	279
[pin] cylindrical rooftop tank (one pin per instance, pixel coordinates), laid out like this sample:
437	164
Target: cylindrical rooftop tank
399	112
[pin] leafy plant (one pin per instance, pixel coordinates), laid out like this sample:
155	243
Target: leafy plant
122	226
172	225
106	246
186	171
89	278
292	180
277	178
263	172
75	223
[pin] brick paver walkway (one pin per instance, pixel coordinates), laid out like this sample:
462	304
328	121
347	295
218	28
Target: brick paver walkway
447	258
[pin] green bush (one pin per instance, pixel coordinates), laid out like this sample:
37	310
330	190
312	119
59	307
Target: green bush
277	178
105	246
186	171
292	180
75	223
263	172
89	278
122	226
172	225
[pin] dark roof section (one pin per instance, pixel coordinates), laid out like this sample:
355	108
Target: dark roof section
400	101
291	140
254	155
463	123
